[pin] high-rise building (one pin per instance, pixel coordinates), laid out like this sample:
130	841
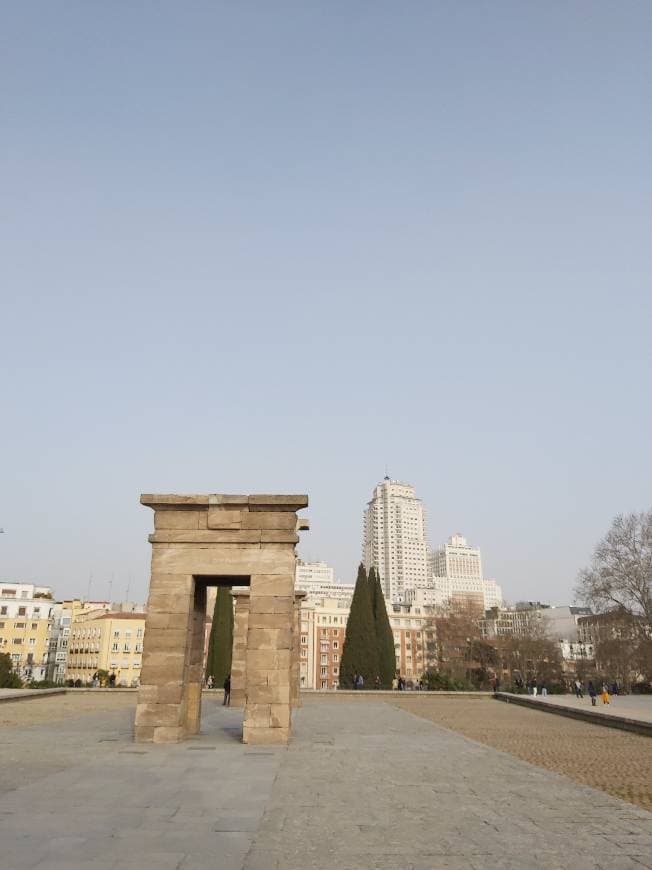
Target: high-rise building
395	539
456	576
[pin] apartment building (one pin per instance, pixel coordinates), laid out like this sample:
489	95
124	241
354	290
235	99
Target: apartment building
414	638
25	616
323	628
106	641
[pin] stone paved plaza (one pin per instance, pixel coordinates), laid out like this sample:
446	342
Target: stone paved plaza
363	784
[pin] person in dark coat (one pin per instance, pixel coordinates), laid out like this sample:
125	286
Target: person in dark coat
227	691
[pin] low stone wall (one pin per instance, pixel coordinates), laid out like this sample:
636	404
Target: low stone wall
27	694
623	723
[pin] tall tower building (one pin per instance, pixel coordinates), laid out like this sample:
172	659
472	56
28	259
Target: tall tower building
395	539
456	572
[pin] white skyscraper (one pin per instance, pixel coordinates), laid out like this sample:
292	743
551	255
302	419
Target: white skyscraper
456	570
395	539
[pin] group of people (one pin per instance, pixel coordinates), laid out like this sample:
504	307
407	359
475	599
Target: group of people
398	683
227	688
593	692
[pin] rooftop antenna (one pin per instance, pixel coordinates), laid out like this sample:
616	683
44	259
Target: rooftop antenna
90	583
386	473
128	586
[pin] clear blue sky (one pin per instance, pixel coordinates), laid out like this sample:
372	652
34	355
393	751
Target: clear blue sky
278	246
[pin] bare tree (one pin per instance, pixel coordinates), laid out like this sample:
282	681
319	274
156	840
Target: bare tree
620	574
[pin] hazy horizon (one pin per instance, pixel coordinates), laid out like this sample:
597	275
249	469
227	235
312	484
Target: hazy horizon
285	247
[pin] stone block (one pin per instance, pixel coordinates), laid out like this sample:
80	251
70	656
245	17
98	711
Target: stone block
208	536
143	733
269	678
267	660
268	638
170	603
168	640
270	584
220	498
162	583
265	736
223	518
269	520
169	734
279	715
271	536
158	714
176	519
256	715
162	667
292	502
157	620
271	620
272	604
267	694
152	500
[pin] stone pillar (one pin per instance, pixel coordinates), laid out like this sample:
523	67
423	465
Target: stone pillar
239	658
269	654
295	685
162	697
195	660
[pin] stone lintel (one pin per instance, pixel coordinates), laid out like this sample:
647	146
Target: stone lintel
277	502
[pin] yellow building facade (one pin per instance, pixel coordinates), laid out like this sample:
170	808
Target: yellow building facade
27	642
106	641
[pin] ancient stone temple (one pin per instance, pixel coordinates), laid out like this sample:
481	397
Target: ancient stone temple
221	540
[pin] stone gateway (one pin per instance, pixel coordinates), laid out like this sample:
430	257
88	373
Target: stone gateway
221	540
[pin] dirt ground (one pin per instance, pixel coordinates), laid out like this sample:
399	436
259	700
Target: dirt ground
53	708
613	761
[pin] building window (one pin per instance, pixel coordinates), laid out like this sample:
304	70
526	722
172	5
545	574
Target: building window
115	647
323	672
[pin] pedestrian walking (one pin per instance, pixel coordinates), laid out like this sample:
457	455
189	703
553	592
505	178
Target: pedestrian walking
360	682
605	693
395	684
578	689
592	694
544	690
227	691
377	682
209	682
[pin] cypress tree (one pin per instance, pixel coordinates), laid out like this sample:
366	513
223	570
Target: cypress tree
360	654
384	633
220	642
